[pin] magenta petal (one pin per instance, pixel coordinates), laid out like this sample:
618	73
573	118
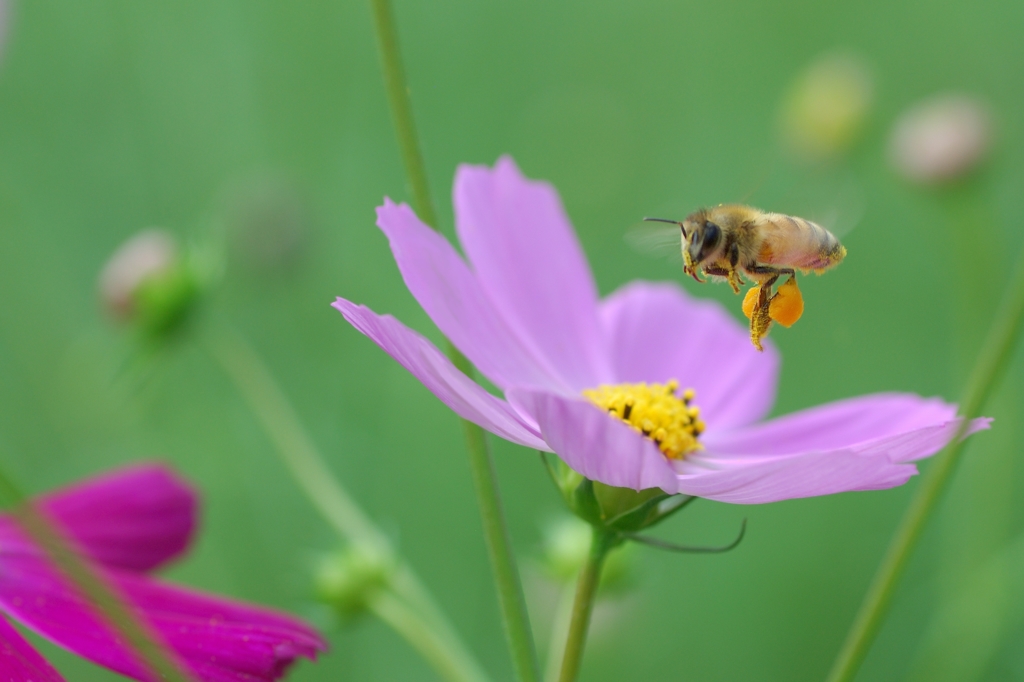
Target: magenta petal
440	376
783	478
135	518
837	425
657	332
32	593
600	447
450	293
221	641
19	661
527	258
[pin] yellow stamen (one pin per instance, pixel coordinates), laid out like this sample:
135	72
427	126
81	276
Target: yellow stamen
655	411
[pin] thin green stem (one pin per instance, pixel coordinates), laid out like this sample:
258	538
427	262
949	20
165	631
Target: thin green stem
303	460
583	606
126	626
401	111
506	572
503	563
427	641
995	354
559	632
266	399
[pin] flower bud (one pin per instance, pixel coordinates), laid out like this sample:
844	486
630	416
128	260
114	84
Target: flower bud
941	138
826	107
148	283
149	253
349	578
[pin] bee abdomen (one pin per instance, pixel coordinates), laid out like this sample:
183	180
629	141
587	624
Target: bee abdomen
800	243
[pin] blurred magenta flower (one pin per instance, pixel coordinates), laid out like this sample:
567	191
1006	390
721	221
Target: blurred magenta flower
596	381
130	522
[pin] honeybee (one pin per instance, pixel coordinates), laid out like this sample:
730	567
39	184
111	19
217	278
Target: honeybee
731	241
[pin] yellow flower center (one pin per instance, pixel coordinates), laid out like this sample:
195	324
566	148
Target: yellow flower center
656	411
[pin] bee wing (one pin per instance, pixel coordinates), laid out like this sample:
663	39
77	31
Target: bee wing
654	239
845	215
838	205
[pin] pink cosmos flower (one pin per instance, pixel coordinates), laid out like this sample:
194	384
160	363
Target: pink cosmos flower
128	523
574	368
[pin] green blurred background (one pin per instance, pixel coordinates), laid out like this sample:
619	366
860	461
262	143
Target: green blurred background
116	115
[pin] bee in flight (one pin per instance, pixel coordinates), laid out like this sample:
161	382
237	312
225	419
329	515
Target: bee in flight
731	241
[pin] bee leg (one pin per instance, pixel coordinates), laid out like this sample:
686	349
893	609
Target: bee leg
760	318
735	280
731	276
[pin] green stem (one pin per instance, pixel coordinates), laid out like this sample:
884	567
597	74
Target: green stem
302	458
499	548
995	354
266	399
583	606
431	644
559	632
506	573
401	111
127	627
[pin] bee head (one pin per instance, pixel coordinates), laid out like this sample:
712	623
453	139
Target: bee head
701	238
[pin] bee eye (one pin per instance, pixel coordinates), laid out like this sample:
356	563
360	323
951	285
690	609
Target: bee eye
712	233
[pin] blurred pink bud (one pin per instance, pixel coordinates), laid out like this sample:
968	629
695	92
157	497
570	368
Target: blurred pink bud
941	138
150	252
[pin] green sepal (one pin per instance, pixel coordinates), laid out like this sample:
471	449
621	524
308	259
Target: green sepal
619	503
584	503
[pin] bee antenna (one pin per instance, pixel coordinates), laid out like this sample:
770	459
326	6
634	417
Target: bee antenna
666	220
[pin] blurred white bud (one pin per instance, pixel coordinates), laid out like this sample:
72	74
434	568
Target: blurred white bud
826	106
148	253
940	139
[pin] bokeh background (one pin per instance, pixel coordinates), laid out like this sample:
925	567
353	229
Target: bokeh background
267	121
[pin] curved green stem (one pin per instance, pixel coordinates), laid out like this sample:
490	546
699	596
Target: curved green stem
422	622
118	614
430	643
265	398
987	371
499	546
586	590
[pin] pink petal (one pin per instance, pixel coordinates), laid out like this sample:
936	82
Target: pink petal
135	518
219	640
657	332
596	445
440	376
450	293
527	258
837	425
784	478
19	661
862	443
